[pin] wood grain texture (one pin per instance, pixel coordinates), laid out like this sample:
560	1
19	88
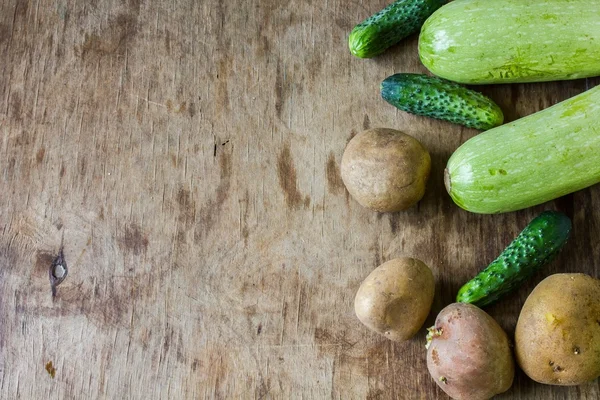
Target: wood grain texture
188	152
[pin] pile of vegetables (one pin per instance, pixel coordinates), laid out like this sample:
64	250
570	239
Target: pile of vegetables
508	167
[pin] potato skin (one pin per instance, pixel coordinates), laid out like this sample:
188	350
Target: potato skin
470	356
385	170
557	338
395	299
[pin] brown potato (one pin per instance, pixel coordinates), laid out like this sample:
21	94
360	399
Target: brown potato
468	353
385	170
557	338
395	299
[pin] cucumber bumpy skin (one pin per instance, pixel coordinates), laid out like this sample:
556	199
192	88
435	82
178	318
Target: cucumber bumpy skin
535	246
389	26
438	98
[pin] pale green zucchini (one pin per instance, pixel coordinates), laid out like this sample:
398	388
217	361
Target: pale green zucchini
503	41
529	161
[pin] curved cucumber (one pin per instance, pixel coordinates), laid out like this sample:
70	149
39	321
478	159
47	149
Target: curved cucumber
502	41
389	26
438	98
535	246
529	161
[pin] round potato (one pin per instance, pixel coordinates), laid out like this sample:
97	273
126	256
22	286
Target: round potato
385	170
395	299
557	338
468	354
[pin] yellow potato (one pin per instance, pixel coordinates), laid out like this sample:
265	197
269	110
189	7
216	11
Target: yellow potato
385	170
557	338
395	299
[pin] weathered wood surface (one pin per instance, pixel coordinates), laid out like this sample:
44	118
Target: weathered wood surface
188	152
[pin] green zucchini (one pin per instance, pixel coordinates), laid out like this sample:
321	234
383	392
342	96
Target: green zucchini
503	41
438	98
535	246
531	160
389	26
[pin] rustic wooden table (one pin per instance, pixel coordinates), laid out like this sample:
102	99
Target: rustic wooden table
188	153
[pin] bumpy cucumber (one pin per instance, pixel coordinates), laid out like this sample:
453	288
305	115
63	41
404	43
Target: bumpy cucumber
437	98
389	26
535	246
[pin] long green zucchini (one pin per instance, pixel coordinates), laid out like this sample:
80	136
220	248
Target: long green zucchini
529	161
502	41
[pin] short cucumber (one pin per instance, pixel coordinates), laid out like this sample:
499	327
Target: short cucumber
438	98
531	160
389	26
535	246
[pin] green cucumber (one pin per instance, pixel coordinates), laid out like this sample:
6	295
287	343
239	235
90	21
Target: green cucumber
535	246
389	26
532	160
503	41
438	98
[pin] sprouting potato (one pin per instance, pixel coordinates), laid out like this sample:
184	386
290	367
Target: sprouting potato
468	353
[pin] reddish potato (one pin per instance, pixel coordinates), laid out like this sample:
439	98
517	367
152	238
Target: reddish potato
469	355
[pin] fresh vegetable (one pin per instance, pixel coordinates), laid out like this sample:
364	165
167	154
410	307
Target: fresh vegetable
529	161
502	41
535	246
394	300
468	354
385	170
438	98
557	338
389	26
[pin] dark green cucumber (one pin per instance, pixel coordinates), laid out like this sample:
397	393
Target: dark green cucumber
390	25
535	246
438	98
